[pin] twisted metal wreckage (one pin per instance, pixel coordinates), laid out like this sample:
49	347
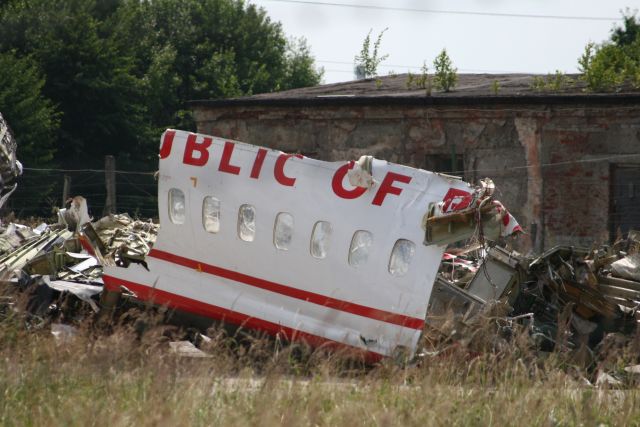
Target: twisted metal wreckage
343	255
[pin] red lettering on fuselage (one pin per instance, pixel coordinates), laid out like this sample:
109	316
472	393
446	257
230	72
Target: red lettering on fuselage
278	171
167	143
387	187
197	154
338	188
257	164
192	146
225	160
456	200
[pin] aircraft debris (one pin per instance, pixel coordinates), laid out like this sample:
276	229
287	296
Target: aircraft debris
50	264
10	166
187	349
320	252
338	254
588	284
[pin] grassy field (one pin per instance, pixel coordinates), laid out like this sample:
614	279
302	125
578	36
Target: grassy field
129	378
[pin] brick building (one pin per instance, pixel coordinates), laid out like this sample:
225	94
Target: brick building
567	163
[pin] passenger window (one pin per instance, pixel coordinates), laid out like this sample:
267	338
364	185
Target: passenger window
211	214
247	223
283	231
320	239
176	206
401	256
359	249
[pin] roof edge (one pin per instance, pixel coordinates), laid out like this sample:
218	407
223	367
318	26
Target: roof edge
449	100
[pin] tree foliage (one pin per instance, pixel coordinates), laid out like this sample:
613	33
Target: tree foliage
446	76
628	33
608	66
33	120
120	71
81	79
300	68
28	112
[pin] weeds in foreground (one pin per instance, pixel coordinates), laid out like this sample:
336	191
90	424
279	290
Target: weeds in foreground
129	376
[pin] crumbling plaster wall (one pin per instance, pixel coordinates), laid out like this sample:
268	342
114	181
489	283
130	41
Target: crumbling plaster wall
538	156
577	188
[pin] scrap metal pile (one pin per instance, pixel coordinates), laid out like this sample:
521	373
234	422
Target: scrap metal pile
597	291
59	266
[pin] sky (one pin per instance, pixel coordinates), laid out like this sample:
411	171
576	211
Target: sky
478	36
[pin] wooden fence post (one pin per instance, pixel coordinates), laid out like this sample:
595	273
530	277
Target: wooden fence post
110	180
66	189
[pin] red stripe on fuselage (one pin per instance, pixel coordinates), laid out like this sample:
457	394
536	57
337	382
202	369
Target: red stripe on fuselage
179	302
336	304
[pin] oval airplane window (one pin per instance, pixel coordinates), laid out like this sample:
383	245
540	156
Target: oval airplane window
359	249
401	256
211	214
283	231
247	223
320	239
176	206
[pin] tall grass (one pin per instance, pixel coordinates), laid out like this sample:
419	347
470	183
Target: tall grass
130	377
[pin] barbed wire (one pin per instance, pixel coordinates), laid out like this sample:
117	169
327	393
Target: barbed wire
122	172
521	167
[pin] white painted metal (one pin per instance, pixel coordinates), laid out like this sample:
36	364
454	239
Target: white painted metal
309	200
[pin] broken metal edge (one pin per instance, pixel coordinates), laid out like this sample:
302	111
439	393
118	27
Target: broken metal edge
323	299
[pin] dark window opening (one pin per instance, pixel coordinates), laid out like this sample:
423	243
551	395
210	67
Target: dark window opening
452	164
624	212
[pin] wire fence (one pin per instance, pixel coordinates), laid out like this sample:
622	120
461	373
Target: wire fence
41	191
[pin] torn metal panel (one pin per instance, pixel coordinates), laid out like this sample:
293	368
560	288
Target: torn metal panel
84	292
449	303
187	349
464	212
76	216
330	253
560	270
83	266
20	257
10	167
627	267
457	269
361	173
126	240
497	276
618	282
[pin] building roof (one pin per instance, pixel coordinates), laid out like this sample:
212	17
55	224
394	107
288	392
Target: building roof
470	89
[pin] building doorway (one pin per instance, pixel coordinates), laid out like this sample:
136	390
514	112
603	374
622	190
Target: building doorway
625	199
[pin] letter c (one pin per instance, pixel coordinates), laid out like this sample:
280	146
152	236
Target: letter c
339	189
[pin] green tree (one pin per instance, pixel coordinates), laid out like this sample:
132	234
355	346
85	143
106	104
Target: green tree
608	66
34	123
121	71
223	48
628	33
369	60
31	116
445	77
88	79
602	68
300	71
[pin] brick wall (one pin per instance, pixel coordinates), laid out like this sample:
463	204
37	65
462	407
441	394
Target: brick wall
566	203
